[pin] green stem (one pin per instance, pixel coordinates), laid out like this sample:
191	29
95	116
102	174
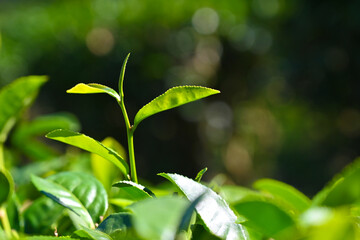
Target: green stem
130	138
2	162
5	222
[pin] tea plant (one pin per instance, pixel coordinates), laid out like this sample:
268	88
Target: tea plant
104	200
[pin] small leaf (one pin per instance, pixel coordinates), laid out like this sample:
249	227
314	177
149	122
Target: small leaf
91	145
343	189
122	75
200	174
158	218
90	234
213	210
6	186
172	98
15	98
285	193
90	88
133	191
265	217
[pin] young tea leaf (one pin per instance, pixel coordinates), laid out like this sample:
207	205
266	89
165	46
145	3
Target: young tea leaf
15	98
133	191
64	197
91	88
200	174
122	75
285	193
91	145
213	210
172	98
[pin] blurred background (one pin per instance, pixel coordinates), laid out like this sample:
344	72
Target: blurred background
288	72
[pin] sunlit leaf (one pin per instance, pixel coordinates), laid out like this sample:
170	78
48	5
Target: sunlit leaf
104	170
213	210
15	98
265	217
90	234
172	98
91	88
6	186
133	191
285	193
343	189
200	174
89	144
158	218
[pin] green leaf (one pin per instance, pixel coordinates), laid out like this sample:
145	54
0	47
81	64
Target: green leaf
15	98
6	186
91	88
233	194
200	174
122	75
158	218
290	196
91	145
90	234
133	191
81	193
48	238
104	170
118	226
343	189
265	217
213	210
172	98
25	136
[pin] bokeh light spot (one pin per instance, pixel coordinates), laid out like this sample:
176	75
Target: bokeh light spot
205	20
100	41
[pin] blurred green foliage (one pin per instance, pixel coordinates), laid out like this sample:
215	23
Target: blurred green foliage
288	73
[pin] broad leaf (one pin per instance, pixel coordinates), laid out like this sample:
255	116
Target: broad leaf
6	186
232	194
91	145
118	226
91	88
24	136
285	193
213	210
158	218
200	174
343	189
90	234
172	98
265	217
104	170
16	97
133	191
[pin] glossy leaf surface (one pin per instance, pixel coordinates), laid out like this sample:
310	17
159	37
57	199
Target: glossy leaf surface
158	218
133	191
16	97
91	145
91	88
213	210
265	217
285	193
172	98
343	189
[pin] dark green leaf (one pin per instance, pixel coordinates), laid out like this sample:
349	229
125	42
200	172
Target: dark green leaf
290	196
265	217
158	218
343	189
213	210
200	174
89	144
90	234
16	97
172	98
6	186
91	88
133	191
117	226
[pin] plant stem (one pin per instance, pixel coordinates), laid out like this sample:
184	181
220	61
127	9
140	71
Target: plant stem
130	138
5	222
2	162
